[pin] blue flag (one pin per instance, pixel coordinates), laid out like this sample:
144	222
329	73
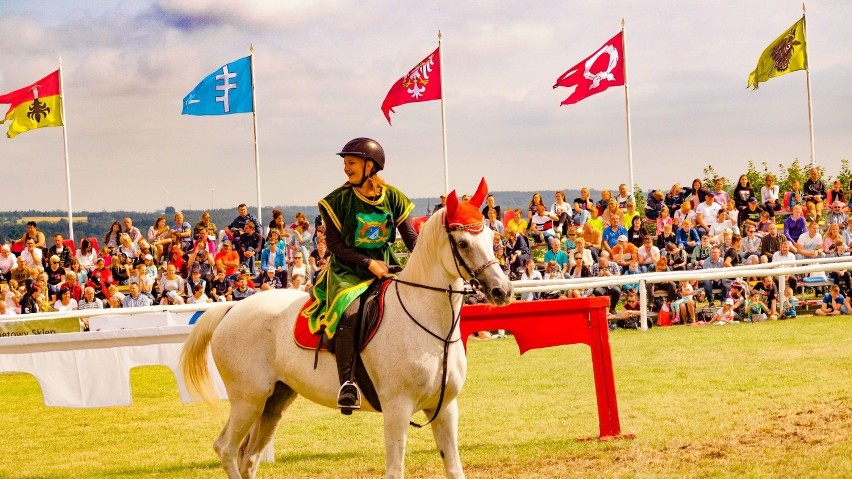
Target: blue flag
223	92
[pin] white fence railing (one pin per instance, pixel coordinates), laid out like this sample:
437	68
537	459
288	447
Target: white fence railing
780	270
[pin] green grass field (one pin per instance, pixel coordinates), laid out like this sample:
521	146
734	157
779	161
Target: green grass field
750	400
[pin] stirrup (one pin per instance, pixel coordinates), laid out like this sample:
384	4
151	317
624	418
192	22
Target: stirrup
347	408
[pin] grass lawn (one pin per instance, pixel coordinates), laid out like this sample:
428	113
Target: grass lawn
772	399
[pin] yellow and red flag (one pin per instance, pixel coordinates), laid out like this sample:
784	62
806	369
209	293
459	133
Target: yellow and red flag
34	106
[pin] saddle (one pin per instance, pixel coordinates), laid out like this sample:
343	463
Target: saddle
370	313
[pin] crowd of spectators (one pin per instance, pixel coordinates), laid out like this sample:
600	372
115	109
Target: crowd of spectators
685	228
173	263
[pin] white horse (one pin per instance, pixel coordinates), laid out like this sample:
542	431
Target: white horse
264	370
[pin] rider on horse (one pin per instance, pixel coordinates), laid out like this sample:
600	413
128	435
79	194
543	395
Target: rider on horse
361	219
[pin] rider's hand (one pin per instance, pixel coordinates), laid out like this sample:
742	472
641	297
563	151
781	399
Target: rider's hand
378	268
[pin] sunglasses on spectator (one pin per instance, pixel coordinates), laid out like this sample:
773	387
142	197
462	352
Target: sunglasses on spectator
299	257
54	262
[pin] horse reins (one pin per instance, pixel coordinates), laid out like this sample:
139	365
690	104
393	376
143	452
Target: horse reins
454	318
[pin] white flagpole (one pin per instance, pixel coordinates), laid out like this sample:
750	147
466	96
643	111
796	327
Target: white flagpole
627	109
67	164
443	114
808	80
256	150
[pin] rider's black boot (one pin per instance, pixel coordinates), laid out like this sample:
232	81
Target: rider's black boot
349	395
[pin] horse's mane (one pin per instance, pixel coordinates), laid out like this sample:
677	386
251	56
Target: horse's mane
426	250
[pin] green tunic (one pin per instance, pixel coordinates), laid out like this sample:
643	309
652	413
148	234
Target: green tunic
368	225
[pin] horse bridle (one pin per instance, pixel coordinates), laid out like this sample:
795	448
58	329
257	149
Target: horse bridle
475	286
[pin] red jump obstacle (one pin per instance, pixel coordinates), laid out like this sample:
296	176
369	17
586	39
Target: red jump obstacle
569	321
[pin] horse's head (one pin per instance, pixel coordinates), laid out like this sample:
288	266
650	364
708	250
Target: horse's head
473	246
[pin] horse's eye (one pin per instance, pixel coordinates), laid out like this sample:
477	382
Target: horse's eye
463	244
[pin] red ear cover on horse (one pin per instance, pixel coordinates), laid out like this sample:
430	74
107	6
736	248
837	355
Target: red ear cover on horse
452	204
481	193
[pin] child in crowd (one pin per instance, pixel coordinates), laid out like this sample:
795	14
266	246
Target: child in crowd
755	309
725	315
788	306
633	268
764	224
683	308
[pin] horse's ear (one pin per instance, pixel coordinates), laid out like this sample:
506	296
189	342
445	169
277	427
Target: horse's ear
481	192
452	204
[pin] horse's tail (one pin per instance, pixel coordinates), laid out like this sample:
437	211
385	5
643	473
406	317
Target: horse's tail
193	357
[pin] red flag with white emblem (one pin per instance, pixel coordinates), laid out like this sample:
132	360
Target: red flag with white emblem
601	70
422	83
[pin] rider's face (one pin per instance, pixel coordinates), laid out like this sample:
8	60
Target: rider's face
354	168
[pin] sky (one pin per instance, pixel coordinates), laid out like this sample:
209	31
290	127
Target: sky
323	68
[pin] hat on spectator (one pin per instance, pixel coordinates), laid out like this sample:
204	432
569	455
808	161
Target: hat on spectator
752	199
100	260
148	256
622	238
270	269
226	243
729	301
6	248
838	203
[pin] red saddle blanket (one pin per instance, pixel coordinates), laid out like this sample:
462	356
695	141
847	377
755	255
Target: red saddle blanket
307	340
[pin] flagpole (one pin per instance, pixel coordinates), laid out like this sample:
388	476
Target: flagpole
443	114
67	164
627	109
808	81
256	150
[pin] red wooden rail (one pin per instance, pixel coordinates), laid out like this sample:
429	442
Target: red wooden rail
542	324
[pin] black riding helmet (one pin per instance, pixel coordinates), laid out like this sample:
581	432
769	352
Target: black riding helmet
366	148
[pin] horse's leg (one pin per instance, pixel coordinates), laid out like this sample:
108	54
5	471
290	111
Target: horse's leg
264	428
244	413
396	417
445	428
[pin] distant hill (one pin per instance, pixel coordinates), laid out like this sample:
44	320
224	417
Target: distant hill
98	222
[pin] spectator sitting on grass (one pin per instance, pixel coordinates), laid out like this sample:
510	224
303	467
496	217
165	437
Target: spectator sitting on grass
767	287
725	315
788	307
833	303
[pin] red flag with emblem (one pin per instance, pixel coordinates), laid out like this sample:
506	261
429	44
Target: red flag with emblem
596	73
422	83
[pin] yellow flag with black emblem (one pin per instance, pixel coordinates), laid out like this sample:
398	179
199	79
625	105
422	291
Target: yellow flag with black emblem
788	53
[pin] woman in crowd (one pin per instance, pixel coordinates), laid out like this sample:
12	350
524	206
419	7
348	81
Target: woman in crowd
530	273
278	224
579	270
170	286
111	239
159	237
65	301
319	256
697	193
301	241
637	233
176	259
534	201
562	209
495	224
742	192
830	238
300	268
769	195
86	255
612	214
